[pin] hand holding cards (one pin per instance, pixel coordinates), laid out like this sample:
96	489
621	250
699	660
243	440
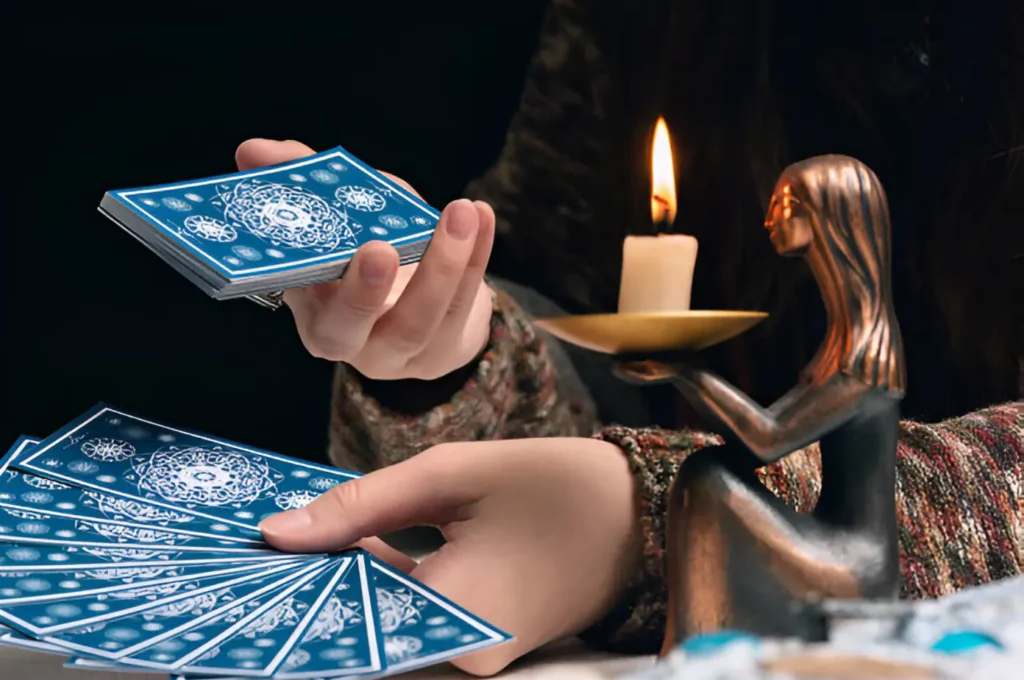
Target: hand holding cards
258	232
133	545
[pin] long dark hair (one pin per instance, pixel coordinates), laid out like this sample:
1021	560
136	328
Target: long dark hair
932	98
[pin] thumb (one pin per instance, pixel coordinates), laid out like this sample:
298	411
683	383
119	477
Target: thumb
426	490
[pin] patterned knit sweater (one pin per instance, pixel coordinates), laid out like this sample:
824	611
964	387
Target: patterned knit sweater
561	173
959	493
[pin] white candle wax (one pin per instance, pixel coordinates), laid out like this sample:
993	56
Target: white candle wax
657	273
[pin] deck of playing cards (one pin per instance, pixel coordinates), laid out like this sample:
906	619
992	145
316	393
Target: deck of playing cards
259	232
130	545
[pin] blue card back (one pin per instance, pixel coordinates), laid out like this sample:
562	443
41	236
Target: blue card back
164	620
262	645
134	458
314	211
30	492
76	613
421	627
29	527
59	557
345	639
54	586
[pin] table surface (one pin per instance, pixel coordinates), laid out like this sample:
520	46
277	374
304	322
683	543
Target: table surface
565	661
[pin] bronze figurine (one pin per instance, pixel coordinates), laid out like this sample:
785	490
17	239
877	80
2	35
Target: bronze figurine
737	556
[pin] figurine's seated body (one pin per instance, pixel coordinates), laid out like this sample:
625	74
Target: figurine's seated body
737	556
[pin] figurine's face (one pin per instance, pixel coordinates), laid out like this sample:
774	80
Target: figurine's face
788	223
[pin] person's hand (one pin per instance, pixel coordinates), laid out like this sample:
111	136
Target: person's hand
541	534
421	321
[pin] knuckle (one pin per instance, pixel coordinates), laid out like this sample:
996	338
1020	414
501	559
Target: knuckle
408	337
344	497
323	344
447	266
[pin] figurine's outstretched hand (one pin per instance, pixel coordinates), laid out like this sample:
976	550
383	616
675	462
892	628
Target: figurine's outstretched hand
541	534
646	372
419	321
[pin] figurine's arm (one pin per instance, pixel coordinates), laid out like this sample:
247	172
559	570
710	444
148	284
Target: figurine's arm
798	419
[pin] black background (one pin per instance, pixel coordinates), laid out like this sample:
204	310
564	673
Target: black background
88	314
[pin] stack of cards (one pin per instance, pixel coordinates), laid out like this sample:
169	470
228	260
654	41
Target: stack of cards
259	232
130	545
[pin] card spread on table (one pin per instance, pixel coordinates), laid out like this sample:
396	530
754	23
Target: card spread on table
76	611
117	453
260	231
29	492
129	545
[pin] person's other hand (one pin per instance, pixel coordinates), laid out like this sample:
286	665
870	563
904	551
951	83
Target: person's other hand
541	533
420	321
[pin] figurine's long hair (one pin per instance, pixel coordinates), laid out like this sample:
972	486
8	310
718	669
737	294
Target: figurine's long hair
848	212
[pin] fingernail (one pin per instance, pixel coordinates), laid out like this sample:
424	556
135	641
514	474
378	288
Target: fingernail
373	271
459	222
285	523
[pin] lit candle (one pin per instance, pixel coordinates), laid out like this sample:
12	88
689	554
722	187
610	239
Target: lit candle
657	271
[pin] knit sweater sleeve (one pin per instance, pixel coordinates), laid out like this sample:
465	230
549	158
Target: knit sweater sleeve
959	503
512	392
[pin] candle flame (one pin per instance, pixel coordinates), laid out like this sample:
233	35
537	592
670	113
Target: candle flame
663	176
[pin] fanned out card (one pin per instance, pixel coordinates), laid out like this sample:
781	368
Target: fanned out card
259	232
140	460
27	492
130	545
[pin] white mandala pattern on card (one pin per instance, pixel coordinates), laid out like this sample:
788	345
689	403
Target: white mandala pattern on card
200	476
195	198
210	229
379	231
275	253
33	528
196	605
296	177
360	198
442	633
150	202
83	467
37	497
420	221
393	221
340	167
286	215
176	204
147	593
323	483
45	484
127	575
293	500
399	648
124	533
323	176
333	619
296	659
247	253
21	514
115	507
108	450
23	554
287	613
399	607
126	554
